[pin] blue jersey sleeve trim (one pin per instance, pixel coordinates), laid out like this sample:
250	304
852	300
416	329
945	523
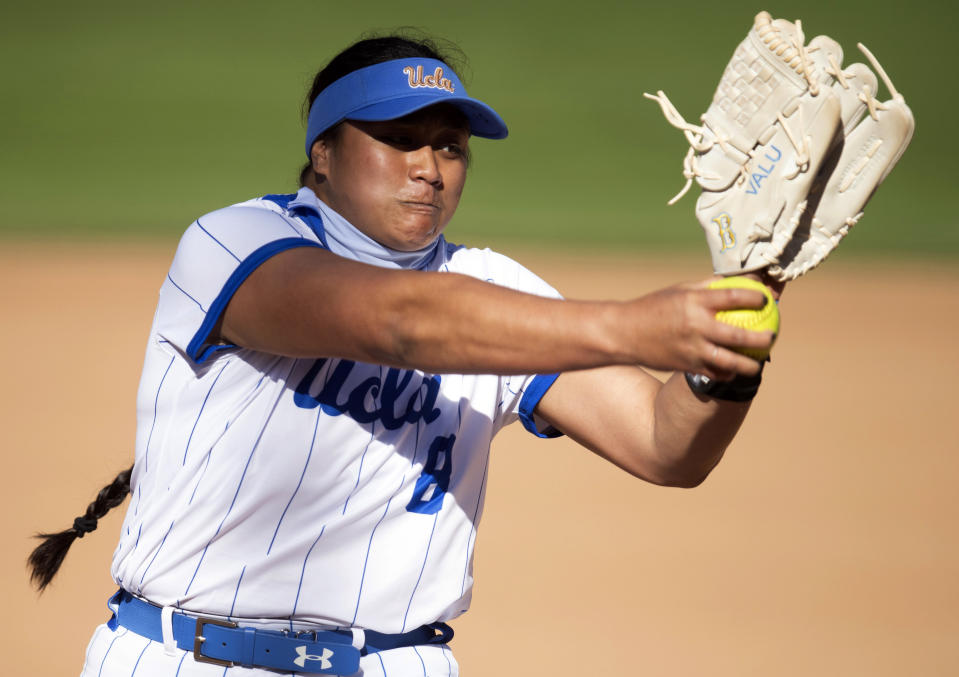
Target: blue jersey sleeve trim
281	199
199	352
531	397
308	215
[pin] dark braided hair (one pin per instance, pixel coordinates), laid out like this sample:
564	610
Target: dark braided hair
45	560
400	44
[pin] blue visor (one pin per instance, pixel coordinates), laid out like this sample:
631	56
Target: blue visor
392	89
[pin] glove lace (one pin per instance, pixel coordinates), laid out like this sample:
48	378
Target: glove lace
802	150
867	96
874	62
793	52
836	71
701	140
697	137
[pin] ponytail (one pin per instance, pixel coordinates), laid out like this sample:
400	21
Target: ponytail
45	560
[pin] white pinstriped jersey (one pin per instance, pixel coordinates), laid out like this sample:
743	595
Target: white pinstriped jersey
308	490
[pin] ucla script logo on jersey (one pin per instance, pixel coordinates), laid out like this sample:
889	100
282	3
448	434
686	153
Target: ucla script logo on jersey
401	397
360	403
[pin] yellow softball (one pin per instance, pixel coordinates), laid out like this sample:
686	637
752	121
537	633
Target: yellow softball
764	319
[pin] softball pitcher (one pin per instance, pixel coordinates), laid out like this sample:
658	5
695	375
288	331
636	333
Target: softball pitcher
323	379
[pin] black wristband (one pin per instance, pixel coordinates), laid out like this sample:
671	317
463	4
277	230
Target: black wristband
740	389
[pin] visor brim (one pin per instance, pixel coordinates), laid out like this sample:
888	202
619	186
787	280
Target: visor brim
484	121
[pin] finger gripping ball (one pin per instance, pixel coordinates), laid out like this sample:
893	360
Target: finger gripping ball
763	319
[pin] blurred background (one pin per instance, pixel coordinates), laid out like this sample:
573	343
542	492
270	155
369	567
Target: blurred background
824	544
129	119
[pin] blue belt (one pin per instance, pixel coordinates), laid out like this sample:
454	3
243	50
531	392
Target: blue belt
212	640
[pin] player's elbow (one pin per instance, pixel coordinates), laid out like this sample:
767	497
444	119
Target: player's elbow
685	462
685	471
688	480
662	463
682	478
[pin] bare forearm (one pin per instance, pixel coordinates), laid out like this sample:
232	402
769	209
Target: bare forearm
466	325
691	432
439	322
310	303
660	432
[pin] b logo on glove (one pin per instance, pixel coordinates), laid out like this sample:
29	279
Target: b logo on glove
726	235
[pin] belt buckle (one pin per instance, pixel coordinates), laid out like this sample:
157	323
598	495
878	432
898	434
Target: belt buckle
198	640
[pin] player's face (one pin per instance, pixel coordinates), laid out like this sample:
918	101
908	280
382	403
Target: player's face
398	181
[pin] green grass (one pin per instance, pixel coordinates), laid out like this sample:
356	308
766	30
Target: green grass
130	120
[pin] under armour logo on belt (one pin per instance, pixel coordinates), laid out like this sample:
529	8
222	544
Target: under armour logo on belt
304	657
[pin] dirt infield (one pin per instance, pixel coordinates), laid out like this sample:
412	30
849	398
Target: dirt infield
825	543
